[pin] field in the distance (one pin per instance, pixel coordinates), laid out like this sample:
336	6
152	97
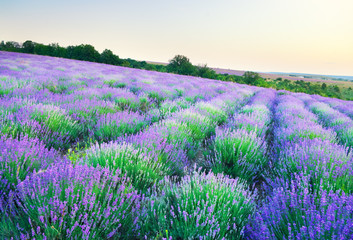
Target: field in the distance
94	151
340	81
346	83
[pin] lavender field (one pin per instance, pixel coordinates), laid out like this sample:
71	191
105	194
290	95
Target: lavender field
94	151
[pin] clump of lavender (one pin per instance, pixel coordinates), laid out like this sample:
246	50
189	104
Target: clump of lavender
19	159
239	153
199	125
340	122
216	114
156	97
111	126
168	107
142	169
15	118
57	123
293	212
155	142
200	206
178	134
78	202
329	165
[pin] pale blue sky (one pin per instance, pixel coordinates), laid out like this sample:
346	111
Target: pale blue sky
312	36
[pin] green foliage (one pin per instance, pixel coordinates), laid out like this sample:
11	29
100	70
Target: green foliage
28	46
77	153
143	170
115	83
239	154
120	85
179	134
14	128
179	92
200	126
5	91
206	72
83	52
110	83
156	97
181	65
57	122
217	115
10	46
169	107
251	78
123	103
144	104
200	206
59	89
112	130
108	57
9	225
134	89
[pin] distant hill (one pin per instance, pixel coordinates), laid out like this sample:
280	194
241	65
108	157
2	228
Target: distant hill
331	79
317	76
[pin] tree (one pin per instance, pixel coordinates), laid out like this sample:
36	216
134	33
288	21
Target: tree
28	46
323	86
11	46
2	45
108	57
181	65
58	51
336	88
206	72
84	52
41	49
251	77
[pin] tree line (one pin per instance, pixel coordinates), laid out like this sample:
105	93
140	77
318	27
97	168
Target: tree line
179	64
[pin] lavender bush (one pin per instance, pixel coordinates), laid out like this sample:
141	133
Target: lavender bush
57	123
293	212
328	165
19	159
239	154
81	202
341	123
199	125
111	126
154	142
143	170
201	206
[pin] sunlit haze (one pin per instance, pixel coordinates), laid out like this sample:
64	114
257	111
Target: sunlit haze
310	36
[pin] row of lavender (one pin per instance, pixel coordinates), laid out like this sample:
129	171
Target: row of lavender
241	145
310	185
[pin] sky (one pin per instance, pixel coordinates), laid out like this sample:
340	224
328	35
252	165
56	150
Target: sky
306	36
